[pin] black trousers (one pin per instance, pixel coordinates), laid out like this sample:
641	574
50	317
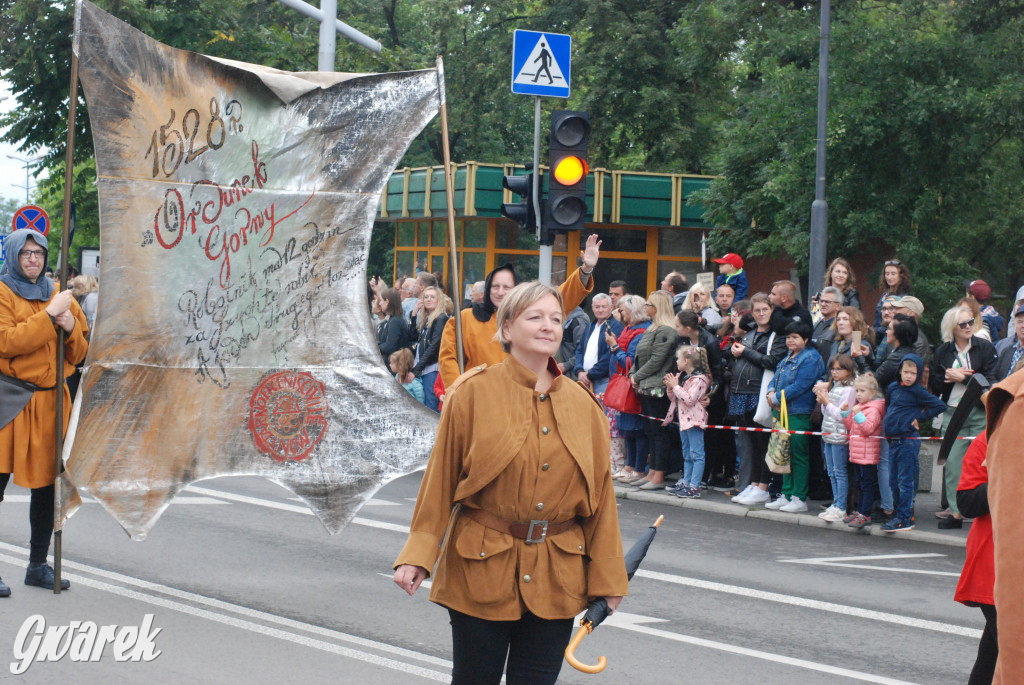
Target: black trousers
531	649
659	437
988	649
40	519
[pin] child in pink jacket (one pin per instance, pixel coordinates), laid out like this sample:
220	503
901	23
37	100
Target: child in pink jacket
687	389
864	419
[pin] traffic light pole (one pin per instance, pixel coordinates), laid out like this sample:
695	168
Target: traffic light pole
544	263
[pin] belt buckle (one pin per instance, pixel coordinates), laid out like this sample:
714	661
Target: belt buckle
543	526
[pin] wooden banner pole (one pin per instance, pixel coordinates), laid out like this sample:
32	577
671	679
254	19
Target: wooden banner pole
449	190
65	239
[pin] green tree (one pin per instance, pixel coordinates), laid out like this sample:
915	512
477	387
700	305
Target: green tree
8	207
925	125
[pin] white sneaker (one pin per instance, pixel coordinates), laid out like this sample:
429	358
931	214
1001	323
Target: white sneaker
833	513
795	506
779	502
745	493
756	496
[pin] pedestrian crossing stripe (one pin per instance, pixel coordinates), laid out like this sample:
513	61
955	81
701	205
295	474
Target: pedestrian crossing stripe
541	67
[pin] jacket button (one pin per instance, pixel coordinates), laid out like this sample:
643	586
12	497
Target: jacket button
527	578
581	548
484	554
543	397
545	467
540	506
545	430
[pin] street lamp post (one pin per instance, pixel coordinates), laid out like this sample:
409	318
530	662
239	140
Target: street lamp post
819	209
28	164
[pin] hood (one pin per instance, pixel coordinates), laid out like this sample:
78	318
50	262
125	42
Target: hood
483	311
918	362
12	275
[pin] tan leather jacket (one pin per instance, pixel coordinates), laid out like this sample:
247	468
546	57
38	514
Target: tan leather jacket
1005	413
521	455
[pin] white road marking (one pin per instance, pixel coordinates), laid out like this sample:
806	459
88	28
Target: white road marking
244	624
813	604
870	557
368	503
632	622
24	499
295	509
668	578
841	562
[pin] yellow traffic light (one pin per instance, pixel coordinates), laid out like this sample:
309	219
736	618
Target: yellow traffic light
570	170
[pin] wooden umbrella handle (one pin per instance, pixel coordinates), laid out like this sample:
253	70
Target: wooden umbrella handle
570	655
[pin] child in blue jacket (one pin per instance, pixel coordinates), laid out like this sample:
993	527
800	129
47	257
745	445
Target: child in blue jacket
907	403
730	270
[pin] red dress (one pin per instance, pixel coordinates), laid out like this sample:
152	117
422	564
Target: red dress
979	574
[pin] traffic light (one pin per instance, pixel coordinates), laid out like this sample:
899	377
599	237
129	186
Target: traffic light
566	206
520	212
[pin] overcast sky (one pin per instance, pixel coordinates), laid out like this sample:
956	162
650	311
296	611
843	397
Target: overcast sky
12	173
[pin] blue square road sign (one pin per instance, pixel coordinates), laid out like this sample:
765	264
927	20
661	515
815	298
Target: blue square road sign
540	63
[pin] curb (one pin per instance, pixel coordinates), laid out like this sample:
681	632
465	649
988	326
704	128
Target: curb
809	519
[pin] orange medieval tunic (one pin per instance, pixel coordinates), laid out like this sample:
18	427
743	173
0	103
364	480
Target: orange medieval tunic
28	352
479	345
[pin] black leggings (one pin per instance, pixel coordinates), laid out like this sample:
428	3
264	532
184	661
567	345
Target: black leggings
534	648
988	650
40	519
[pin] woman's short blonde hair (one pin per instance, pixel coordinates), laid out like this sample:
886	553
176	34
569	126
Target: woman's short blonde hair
664	315
516	302
949	321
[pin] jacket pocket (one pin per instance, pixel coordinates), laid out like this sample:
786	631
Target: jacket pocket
485	561
568	559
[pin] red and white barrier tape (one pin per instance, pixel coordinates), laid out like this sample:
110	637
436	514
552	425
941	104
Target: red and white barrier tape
820	433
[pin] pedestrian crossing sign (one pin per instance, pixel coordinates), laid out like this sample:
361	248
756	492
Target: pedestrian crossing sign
540	63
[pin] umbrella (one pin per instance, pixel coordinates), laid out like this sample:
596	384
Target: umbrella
597	610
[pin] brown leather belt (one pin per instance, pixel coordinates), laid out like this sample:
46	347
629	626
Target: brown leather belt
533	532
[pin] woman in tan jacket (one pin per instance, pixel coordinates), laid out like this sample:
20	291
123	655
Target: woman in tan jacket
518	489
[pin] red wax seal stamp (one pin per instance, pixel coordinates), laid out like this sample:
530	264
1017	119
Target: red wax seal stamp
288	415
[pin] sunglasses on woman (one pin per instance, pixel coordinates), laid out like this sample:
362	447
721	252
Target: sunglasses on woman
966	324
894	262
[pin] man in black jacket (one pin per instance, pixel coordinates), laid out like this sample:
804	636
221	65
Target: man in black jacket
829	302
783	297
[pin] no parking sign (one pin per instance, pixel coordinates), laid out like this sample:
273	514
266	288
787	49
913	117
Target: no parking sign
32	217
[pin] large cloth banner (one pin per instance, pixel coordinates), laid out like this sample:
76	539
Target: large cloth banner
232	335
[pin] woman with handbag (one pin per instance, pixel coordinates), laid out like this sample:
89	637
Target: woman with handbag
793	384
755	358
623	353
523	502
655	357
